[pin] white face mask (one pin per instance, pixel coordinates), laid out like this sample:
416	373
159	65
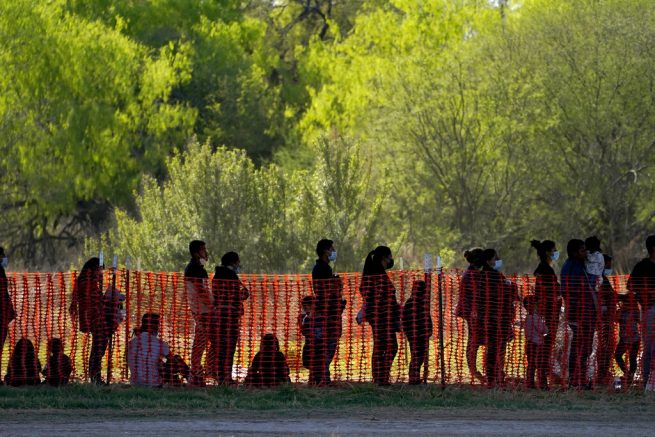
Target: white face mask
202	261
555	255
607	272
498	265
333	256
4	262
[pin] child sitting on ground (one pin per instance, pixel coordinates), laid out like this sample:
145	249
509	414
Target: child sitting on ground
24	367
175	371
629	337
535	350
58	368
417	326
145	352
269	367
311	327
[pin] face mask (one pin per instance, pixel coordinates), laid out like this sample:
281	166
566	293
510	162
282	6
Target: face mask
237	269
5	262
607	272
498	265
333	256
390	265
555	255
203	261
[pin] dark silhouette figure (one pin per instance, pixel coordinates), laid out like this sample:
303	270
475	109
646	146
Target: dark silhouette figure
547	294
497	315
417	326
269	367
468	308
312	327
536	331
629	337
229	295
7	312
382	311
607	300
328	289
58	367
24	366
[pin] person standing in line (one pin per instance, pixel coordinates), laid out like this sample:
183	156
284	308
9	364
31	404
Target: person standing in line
642	284
88	305
547	294
229	295
468	308
382	311
311	326
607	300
201	302
417	326
497	313
328	290
145	353
581	303
629	337
536	331
7	312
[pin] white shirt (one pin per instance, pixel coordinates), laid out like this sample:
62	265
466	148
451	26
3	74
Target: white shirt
143	355
535	328
595	264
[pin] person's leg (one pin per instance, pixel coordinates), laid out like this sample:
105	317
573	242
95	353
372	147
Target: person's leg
490	362
603	355
530	352
648	336
330	351
200	340
472	345
414	363
575	356
621	349
389	355
4	331
232	341
99	342
633	353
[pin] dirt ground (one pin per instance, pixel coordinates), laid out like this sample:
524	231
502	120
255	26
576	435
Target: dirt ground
336	424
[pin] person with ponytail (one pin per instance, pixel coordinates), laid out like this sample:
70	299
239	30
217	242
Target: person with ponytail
546	291
382	311
496	315
468	302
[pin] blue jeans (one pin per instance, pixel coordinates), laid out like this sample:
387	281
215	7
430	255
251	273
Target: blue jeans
648	339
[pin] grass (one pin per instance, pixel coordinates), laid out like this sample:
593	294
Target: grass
124	401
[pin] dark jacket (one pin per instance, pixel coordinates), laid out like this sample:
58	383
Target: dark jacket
416	319
229	293
497	305
382	309
268	368
89	302
328	289
547	291
578	291
7	312
468	297
642	282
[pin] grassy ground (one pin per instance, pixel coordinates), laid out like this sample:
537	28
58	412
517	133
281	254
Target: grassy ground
138	402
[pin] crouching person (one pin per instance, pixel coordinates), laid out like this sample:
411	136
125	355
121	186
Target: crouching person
417	326
269	367
145	353
24	366
58	369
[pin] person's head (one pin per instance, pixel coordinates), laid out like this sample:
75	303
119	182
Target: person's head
576	249
55	346
490	258
308	303
270	343
530	303
419	289
23	353
378	260
546	250
150	323
4	260
592	244
198	251
91	269
325	250
650	245
474	256
231	260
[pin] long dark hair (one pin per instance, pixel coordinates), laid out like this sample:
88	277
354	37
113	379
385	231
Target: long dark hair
269	344
373	262
474	256
542	247
24	356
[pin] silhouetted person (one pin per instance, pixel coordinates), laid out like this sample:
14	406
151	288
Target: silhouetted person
7	313
536	331
312	327
595	262
269	367
581	304
417	326
145	353
24	366
642	284
88	306
328	289
175	371
607	300
547	293
201	303
229	295
497	314
382	311
468	308
629	336
58	368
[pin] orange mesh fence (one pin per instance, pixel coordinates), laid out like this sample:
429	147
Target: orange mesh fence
154	328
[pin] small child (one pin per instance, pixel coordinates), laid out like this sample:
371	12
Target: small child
311	326
58	368
145	352
269	367
629	338
174	371
417	326
24	367
595	264
536	352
